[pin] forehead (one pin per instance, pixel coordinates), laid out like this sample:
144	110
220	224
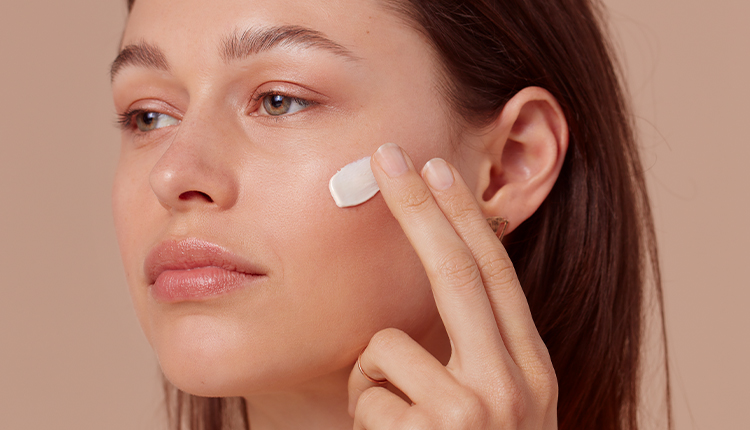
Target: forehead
195	23
192	34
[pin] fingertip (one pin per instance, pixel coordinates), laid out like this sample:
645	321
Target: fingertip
391	159
438	174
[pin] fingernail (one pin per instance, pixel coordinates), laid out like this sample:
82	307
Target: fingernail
438	174
392	160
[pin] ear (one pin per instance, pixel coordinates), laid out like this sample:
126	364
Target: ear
525	150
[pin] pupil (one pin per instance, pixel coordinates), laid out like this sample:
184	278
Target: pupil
277	101
149	118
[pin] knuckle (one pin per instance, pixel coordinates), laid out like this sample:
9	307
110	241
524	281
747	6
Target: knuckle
467	411
367	397
518	407
515	405
459	210
459	266
499	270
472	406
386	340
416	200
510	398
506	290
545	383
551	391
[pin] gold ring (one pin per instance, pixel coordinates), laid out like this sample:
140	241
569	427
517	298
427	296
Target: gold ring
368	377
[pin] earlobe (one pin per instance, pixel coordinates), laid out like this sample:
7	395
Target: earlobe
525	150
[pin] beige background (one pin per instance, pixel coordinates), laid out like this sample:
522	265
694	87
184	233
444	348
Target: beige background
71	352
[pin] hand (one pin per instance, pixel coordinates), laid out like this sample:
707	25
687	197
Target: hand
499	375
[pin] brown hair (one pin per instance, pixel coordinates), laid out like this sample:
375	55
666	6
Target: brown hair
584	257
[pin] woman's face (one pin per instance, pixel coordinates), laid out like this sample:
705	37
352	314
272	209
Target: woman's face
242	110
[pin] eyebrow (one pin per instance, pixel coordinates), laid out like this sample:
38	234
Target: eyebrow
237	46
139	54
257	40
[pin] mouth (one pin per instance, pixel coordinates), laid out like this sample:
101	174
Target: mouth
193	270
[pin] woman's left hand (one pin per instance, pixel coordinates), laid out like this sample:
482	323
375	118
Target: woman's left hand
499	375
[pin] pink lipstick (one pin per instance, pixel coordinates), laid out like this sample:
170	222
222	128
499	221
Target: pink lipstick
194	270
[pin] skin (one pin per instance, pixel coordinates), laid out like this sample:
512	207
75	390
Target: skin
414	277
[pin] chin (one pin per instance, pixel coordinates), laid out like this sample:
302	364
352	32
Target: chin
200	377
211	357
201	355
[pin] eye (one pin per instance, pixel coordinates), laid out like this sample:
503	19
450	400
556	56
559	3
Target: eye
147	121
279	104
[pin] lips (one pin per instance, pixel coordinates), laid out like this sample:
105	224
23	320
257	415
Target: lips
193	269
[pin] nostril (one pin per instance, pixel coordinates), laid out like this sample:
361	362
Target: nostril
190	195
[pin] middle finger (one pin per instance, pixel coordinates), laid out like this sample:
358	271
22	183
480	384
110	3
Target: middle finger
455	278
506	297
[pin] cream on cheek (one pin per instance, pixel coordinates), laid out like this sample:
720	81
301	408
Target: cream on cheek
347	273
354	184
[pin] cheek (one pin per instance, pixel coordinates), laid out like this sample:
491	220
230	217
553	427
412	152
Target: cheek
342	275
138	218
352	270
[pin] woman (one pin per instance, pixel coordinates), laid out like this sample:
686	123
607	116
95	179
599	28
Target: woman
266	303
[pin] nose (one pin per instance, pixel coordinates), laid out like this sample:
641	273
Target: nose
198	170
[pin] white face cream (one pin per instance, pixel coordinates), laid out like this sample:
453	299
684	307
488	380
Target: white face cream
354	184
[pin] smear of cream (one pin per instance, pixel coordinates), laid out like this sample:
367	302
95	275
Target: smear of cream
354	184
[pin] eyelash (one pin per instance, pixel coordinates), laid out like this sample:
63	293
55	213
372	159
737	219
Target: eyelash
125	120
270	93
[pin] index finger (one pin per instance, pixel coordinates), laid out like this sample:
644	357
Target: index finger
455	278
508	301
